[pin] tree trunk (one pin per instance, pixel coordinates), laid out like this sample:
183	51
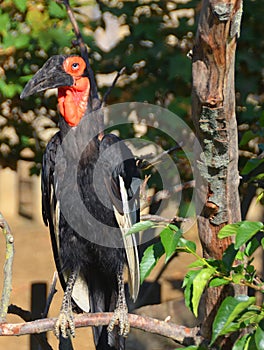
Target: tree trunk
213	108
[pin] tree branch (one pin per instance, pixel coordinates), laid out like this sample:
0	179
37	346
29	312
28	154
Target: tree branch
27	316
7	285
166	194
157	218
52	291
181	334
147	161
112	85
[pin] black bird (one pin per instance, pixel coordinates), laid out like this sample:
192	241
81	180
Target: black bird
89	201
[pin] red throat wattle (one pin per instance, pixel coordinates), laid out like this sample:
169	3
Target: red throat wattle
73	99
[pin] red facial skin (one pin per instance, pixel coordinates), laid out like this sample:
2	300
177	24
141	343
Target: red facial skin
73	99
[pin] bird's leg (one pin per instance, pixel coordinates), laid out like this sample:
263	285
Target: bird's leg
121	311
65	323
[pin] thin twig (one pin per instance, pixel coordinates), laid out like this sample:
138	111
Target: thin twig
147	161
181	334
112	85
16	310
7	285
166	194
51	294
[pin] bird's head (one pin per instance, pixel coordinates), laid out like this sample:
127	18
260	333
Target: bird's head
68	74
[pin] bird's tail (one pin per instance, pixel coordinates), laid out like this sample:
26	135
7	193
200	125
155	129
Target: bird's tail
103	298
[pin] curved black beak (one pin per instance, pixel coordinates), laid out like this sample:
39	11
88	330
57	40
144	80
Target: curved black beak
50	76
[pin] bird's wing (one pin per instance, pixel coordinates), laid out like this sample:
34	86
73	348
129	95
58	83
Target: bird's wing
50	205
51	216
122	183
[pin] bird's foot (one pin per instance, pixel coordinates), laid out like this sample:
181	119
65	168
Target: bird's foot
65	324
121	317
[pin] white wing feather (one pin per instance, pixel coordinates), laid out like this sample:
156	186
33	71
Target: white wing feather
125	222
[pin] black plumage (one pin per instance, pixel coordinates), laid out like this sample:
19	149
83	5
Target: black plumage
80	166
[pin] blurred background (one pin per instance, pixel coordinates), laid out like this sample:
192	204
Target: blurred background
152	40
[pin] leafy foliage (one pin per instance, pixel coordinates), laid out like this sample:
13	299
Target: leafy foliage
236	267
30	32
153	48
156	37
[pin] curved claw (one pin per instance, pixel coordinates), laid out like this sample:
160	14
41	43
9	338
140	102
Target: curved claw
65	324
121	317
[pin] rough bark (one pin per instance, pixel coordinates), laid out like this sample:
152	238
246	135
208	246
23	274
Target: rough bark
181	334
213	105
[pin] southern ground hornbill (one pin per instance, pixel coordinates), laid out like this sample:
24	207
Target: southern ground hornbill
90	251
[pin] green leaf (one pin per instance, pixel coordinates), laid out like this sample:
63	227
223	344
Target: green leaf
170	240
150	258
252	316
25	140
55	10
250	165
262	242
197	263
251	345
237	278
199	283
247	136
240	255
251	247
250	269
9	90
260	196
242	343
259	336
218	281
246	231
21	5
188	284
257	177
228	311
4	22
20	41
173	227
140	226
229	230
186	246
229	256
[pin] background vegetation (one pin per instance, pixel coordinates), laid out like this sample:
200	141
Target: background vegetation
153	44
152	40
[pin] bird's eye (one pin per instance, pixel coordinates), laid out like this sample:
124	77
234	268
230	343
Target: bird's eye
75	65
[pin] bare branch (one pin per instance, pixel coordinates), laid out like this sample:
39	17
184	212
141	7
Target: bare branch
147	161
16	310
112	85
51	294
7	286
181	334
157	218
27	316
166	194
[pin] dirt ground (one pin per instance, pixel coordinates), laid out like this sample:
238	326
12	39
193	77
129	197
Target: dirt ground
33	263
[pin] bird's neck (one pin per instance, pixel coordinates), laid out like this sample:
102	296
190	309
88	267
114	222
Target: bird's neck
73	101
